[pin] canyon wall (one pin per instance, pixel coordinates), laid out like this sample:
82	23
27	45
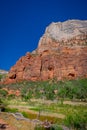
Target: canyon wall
61	54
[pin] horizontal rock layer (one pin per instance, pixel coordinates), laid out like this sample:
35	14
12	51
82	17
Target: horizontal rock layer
61	54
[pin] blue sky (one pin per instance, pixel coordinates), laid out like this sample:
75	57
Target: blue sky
23	22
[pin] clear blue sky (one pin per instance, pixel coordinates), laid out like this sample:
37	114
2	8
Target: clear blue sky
23	22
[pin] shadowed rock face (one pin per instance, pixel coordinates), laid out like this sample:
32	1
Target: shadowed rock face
61	54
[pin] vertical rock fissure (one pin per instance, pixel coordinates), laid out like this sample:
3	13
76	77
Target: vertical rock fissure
41	70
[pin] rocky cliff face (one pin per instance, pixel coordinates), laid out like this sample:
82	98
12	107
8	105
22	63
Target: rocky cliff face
61	54
70	33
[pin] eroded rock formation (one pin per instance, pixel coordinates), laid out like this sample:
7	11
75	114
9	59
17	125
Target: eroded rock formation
61	54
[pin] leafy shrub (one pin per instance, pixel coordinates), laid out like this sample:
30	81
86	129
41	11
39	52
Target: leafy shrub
74	89
71	89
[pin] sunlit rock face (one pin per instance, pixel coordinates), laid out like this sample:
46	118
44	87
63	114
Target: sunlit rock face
70	33
61	54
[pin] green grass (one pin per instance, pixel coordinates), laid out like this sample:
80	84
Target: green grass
47	110
12	110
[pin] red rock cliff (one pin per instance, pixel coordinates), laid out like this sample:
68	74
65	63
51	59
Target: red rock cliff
61	54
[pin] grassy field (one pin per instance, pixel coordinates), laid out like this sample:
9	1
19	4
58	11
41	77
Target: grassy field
56	112
63	103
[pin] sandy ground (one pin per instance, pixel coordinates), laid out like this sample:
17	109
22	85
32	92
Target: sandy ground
7	126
